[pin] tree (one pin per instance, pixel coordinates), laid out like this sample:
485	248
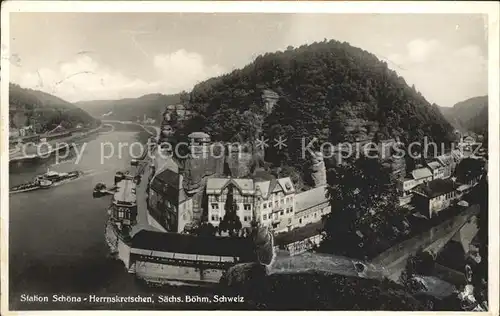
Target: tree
363	198
469	169
184	97
206	229
230	222
422	263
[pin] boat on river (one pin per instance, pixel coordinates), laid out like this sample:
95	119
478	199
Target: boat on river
46	180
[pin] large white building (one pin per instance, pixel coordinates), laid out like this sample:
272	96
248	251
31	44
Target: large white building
269	202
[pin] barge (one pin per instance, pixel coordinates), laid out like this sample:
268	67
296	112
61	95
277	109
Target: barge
46	180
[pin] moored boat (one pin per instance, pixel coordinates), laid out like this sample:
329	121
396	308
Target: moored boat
45	181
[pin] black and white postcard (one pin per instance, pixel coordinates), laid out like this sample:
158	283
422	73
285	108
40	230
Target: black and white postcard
259	156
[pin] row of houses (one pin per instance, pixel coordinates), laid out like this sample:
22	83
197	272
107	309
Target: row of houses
440	168
433	188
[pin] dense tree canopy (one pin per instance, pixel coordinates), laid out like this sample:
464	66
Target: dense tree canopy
329	90
469	169
469	115
364	205
30	107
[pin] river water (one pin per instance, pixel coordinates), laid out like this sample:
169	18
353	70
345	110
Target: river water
56	236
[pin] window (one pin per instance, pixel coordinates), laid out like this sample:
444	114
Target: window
300	220
246	218
215	206
265	205
247	207
282	212
215	218
264	217
315	215
281	201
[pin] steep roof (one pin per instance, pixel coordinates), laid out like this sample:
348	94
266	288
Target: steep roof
246	186
436	187
263	186
434	165
310	198
190	244
215	185
125	192
457	154
169	177
286	185
445	159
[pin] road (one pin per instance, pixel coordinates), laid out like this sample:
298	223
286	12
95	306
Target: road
31	150
394	259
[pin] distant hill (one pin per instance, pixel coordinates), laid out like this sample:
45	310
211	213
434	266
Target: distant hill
131	109
469	115
43	110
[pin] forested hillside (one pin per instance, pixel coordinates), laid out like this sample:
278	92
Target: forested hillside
151	105
33	107
469	115
329	90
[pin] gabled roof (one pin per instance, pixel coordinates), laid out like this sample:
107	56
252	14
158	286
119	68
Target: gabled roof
190	244
287	185
445	159
457	154
436	187
310	198
216	185
246	186
263	187
434	165
421	173
169	177
125	192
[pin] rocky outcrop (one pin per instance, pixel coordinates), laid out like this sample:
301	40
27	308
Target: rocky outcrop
318	169
270	98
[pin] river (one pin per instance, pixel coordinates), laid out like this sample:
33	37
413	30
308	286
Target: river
56	236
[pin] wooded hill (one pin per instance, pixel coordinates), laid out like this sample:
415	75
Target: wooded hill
469	115
329	90
34	107
151	105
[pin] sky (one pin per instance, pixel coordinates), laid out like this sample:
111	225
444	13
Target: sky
97	56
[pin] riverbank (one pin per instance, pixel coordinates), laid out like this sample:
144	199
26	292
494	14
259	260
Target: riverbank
33	150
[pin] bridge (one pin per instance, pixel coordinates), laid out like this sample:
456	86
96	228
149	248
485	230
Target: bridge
462	228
